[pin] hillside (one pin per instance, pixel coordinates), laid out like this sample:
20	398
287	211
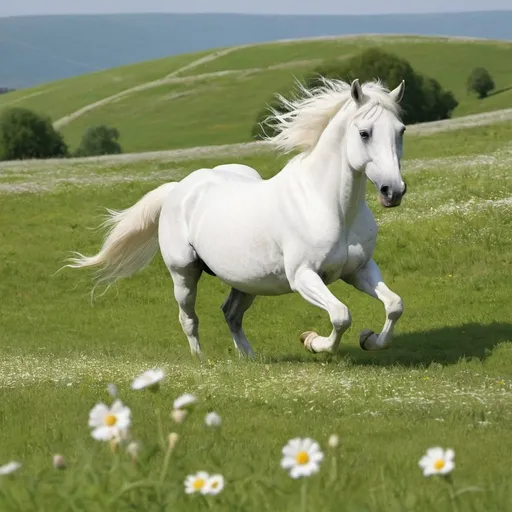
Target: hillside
213	97
39	49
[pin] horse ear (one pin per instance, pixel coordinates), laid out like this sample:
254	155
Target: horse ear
356	91
398	93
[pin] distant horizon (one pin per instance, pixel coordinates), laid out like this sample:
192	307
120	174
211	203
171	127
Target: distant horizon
240	13
262	7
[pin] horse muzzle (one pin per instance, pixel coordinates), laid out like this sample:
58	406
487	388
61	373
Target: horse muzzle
390	197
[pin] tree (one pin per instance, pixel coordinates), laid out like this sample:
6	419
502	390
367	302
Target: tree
424	98
99	140
25	134
481	82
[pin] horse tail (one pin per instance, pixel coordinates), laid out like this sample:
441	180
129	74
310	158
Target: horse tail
132	240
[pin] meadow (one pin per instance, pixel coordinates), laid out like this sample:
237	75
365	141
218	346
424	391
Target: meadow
214	97
446	381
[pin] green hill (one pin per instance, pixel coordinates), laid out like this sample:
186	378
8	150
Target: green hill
213	97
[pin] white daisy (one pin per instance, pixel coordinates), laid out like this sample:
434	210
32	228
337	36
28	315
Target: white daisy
212	419
197	483
109	423
149	379
302	457
184	401
437	462
10	467
214	484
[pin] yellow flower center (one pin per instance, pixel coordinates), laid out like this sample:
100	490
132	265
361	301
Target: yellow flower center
215	485
302	458
110	420
439	464
198	484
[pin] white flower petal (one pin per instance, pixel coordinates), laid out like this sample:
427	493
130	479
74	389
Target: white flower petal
184	401
288	462
212	419
103	433
449	455
96	415
316	457
435	453
425	461
447	468
10	467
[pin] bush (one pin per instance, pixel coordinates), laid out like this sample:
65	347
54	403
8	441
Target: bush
481	82
99	140
25	134
424	99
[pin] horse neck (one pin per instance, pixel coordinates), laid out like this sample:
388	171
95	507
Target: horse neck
341	187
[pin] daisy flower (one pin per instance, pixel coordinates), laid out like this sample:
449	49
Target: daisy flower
212	419
301	457
184	401
437	462
214	484
197	483
10	467
149	379
109	423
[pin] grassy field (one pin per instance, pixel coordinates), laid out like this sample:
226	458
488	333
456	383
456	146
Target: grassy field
189	109
447	380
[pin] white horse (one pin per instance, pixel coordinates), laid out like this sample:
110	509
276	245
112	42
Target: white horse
299	231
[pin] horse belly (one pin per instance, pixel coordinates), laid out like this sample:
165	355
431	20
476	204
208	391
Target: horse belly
233	238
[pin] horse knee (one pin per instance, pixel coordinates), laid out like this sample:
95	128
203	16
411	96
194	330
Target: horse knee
341	318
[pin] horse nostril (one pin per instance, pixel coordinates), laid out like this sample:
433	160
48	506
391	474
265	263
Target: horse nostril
384	191
405	188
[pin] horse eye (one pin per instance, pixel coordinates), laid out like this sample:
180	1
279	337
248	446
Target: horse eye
364	134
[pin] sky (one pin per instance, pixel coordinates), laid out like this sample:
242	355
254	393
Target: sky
27	7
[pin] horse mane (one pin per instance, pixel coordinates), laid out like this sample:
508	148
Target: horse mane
299	122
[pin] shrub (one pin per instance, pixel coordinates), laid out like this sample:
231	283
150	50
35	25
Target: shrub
481	82
99	140
25	134
424	99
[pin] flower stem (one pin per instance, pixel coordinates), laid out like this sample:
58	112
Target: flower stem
165	465
303	495
159	426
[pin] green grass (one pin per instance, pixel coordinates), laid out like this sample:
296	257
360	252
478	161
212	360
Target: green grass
447	380
223	110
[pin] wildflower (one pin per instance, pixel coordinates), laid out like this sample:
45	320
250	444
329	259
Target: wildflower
149	379
59	462
437	462
110	423
214	484
133	450
112	390
179	415
302	457
10	467
212	419
184	401
197	483
334	441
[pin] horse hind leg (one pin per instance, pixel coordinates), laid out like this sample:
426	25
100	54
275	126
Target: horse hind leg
185	292
234	309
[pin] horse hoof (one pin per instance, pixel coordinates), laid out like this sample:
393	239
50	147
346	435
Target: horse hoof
367	338
306	338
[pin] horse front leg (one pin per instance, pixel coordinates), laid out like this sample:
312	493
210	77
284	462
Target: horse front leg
310	286
369	280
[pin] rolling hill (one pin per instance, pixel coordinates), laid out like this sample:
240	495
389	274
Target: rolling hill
210	98
39	49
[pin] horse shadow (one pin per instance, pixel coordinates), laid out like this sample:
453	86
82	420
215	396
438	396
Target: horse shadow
446	346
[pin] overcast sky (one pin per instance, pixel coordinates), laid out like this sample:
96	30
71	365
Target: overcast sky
23	7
